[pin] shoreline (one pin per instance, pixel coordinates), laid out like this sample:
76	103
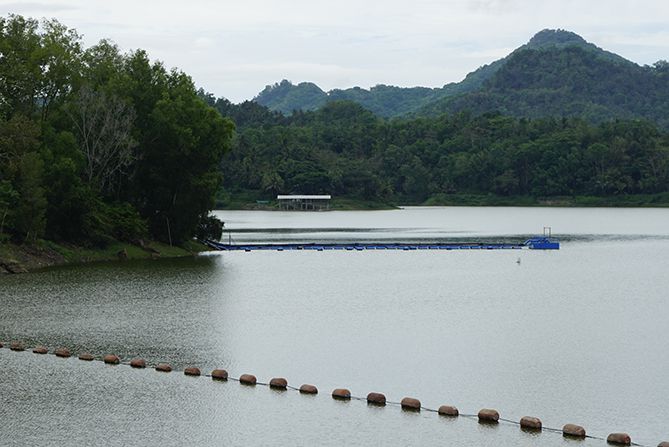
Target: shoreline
475	200
25	258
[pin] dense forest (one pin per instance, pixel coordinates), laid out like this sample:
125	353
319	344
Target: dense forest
98	145
569	82
556	74
346	150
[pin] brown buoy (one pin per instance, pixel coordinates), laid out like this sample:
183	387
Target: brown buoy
488	416
86	357
448	410
619	439
530	423
163	367
40	350
138	363
278	383
308	389
341	394
663	444
62	352
573	430
17	346
248	379
219	374
411	404
111	359
192	371
376	399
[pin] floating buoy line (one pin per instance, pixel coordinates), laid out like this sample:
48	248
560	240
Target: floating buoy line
535	243
484	416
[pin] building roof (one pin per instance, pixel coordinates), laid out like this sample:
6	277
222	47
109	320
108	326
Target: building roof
303	197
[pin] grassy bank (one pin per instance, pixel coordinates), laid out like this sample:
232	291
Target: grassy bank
28	257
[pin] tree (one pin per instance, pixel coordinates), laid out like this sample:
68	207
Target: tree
177	177
110	134
60	63
20	173
104	126
8	199
209	227
102	64
20	65
38	67
272	182
29	216
18	136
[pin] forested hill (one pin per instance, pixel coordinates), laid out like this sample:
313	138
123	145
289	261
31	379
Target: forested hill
345	150
557	73
569	81
384	100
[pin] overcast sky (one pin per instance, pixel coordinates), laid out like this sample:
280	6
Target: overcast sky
235	48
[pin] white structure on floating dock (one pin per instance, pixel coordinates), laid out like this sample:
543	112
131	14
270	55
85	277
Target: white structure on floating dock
304	202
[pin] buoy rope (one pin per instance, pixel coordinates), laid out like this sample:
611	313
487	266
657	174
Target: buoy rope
357	398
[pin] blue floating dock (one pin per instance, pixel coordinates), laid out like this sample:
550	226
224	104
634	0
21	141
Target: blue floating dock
537	243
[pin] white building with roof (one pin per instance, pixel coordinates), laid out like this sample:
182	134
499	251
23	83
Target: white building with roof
304	202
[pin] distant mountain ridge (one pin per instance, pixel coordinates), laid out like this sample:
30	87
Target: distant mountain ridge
557	73
383	100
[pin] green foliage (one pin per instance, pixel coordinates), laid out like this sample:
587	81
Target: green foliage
209	227
178	174
468	143
246	114
383	100
30	213
286	97
109	222
344	150
97	146
8	203
23	202
18	136
388	100
570	81
20	70
39	66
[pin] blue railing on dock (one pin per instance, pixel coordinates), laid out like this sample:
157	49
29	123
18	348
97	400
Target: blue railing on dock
538	243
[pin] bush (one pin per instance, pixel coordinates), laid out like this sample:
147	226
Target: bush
210	227
106	223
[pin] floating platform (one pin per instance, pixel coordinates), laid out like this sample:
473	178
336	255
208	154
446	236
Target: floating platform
538	243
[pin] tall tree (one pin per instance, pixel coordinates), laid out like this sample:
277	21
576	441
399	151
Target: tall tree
104	126
178	174
30	213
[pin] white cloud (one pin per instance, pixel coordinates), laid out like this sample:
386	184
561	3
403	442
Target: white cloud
35	7
235	48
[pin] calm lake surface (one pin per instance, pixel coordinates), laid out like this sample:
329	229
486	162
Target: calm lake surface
573	336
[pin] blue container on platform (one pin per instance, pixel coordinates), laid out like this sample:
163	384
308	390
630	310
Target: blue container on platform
543	243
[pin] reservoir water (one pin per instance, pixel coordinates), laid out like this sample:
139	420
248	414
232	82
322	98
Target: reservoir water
572	336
